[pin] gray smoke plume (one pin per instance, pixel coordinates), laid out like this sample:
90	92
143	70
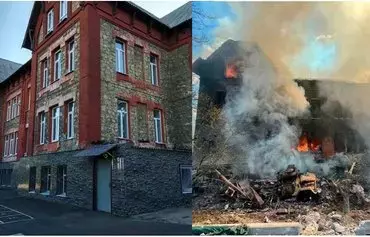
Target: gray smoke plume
261	136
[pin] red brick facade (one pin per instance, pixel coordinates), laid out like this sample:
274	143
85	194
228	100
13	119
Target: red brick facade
83	85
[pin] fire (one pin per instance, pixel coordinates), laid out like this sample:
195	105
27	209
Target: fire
304	145
231	71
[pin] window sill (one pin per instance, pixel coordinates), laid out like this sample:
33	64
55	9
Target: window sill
45	193
32	192
69	72
62	20
63	195
49	32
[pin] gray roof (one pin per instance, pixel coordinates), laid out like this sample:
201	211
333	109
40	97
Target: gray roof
178	16
95	150
7	68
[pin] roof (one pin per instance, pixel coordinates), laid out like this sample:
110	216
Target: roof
22	68
95	150
7	68
178	16
171	20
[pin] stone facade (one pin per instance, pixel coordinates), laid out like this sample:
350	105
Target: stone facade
148	181
135	87
79	177
58	92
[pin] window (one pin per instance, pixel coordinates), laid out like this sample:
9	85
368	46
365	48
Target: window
71	56
18	104
16	143
8	113
11	144
45	82
42	127
45	180
120	163
185	176
62	180
32	180
50	21
120	57
122	119
6	146
62	10
57	67
70	120
158	126
14	108
154	69
55	124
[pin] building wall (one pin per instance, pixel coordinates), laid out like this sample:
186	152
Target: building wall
57	93
79	177
135	87
149	180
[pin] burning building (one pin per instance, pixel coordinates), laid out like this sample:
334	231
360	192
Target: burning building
272	120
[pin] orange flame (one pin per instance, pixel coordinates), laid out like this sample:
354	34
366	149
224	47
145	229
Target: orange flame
231	71
304	145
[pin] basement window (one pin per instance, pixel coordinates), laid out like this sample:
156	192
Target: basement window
32	180
154	69
62	180
50	21
45	180
185	176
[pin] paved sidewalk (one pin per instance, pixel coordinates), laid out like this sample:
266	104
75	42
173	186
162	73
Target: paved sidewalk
60	219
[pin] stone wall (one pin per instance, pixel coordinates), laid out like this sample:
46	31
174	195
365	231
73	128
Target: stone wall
79	177
58	92
135	87
149	181
178	96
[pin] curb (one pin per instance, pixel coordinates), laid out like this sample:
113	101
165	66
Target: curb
274	228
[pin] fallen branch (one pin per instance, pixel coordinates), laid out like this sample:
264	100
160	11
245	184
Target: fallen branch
251	194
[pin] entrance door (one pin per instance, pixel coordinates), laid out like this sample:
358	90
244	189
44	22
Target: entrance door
103	188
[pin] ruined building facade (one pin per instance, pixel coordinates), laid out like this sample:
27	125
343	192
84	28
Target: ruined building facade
100	73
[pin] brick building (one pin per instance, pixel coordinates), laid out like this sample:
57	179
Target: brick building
105	73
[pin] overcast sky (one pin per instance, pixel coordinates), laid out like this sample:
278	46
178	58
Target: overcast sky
14	18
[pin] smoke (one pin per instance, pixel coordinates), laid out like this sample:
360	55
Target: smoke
311	39
258	125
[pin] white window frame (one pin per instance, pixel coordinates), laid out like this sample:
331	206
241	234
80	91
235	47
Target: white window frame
6	146
14	108
42	128
71	55
18	99
121	57
50	21
46	73
57	65
11	142
157	140
183	189
120	163
154	69
121	114
9	109
55	124
70	120
16	143
63	11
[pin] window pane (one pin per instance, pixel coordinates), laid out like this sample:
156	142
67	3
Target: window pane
152	59
156	114
119	45
119	124
158	130
124	125
186	181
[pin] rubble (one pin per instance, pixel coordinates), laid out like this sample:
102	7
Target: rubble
339	206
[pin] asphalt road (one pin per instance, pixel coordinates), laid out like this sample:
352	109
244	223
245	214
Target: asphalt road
27	216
